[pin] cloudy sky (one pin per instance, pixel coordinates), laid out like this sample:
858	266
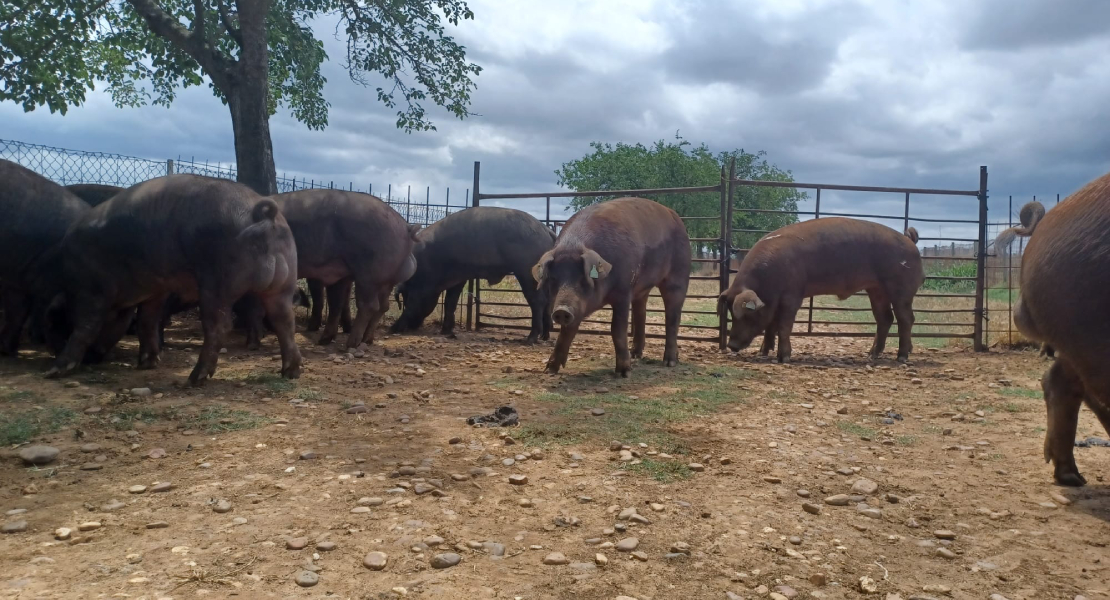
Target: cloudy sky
867	92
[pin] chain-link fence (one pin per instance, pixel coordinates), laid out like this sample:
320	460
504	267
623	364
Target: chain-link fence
66	166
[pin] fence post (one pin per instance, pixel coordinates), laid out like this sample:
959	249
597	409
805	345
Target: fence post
427	205
981	263
169	166
723	269
816	215
1009	280
473	290
547	214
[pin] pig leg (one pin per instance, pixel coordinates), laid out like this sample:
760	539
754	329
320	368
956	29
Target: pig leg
537	302
336	293
559	355
884	318
17	306
450	303
1063	397
639	325
150	338
903	309
345	312
214	317
283	318
548	323
674	294
619	330
367	299
250	308
375	316
316	291
115	327
788	309
769	339
88	320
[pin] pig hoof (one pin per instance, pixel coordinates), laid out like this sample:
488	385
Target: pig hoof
1071	479
903	359
551	368
291	372
325	340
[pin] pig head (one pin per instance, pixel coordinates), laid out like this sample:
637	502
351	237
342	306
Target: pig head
576	279
751	316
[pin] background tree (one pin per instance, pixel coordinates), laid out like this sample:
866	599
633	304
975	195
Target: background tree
681	164
258	55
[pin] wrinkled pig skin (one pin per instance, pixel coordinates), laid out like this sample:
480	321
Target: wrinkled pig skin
483	242
828	256
34	216
613	253
203	239
1065	291
346	238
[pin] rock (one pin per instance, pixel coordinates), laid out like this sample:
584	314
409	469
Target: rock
555	558
998	597
680	547
868	585
38	455
944	534
14	527
223	506
165	486
296	543
627	544
62	533
455	440
838	500
494	549
597	412
518	479
773	479
326	546
90	448
375	561
871	513
423	488
433	540
307	579
92	467
795	540
360	510
864	486
357	409
640	556
141	391
945	553
508	462
375	501
811	508
601	560
803	493
89	526
445	561
819	579
156	453
696	467
309	455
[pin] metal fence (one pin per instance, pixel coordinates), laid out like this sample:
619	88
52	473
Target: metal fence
951	305
66	166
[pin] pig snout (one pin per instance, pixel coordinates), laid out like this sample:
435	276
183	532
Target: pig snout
562	315
734	345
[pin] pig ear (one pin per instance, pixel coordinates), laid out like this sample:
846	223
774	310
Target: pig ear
539	271
722	303
753	303
595	266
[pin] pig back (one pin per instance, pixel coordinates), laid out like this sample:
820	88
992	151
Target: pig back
34	216
484	241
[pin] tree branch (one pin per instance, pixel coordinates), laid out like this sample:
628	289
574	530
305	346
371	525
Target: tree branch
215	64
50	41
225	17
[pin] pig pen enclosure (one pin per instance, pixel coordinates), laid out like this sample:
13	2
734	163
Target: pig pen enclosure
952	305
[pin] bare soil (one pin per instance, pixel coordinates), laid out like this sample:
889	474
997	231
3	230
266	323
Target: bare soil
960	453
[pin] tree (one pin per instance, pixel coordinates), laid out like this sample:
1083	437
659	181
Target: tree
680	164
258	55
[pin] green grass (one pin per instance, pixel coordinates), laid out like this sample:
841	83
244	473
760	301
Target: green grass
220	419
664	471
905	440
646	419
17	427
20	396
1019	392
309	395
700	320
856	429
1011	407
273	382
125	419
960	269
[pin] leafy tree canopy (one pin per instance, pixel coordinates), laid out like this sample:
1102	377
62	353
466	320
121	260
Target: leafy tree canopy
681	164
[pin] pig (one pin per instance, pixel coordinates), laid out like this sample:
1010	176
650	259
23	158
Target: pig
94	194
835	256
34	216
1063	300
483	242
348	237
316	294
614	253
201	238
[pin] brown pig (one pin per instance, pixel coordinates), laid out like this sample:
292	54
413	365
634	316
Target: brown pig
831	256
614	253
1064	295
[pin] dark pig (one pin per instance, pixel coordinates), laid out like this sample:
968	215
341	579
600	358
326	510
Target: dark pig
34	215
94	194
203	239
483	242
830	256
1064	295
349	237
614	253
316	291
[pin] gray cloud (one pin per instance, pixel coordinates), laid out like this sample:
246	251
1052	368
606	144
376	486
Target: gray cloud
1004	25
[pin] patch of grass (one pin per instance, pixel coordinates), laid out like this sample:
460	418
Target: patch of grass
700	320
856	429
273	382
309	395
17	427
1039	430
960	269
933	429
20	396
1020	392
125	419
905	440
664	471
783	395
220	419
1011	407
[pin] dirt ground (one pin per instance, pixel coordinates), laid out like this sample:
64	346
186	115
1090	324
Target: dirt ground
938	464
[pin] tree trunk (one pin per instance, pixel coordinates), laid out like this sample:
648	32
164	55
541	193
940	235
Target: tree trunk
248	100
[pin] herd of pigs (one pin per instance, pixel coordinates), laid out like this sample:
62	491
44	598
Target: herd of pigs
83	265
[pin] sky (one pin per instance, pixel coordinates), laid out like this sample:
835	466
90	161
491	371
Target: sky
864	92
